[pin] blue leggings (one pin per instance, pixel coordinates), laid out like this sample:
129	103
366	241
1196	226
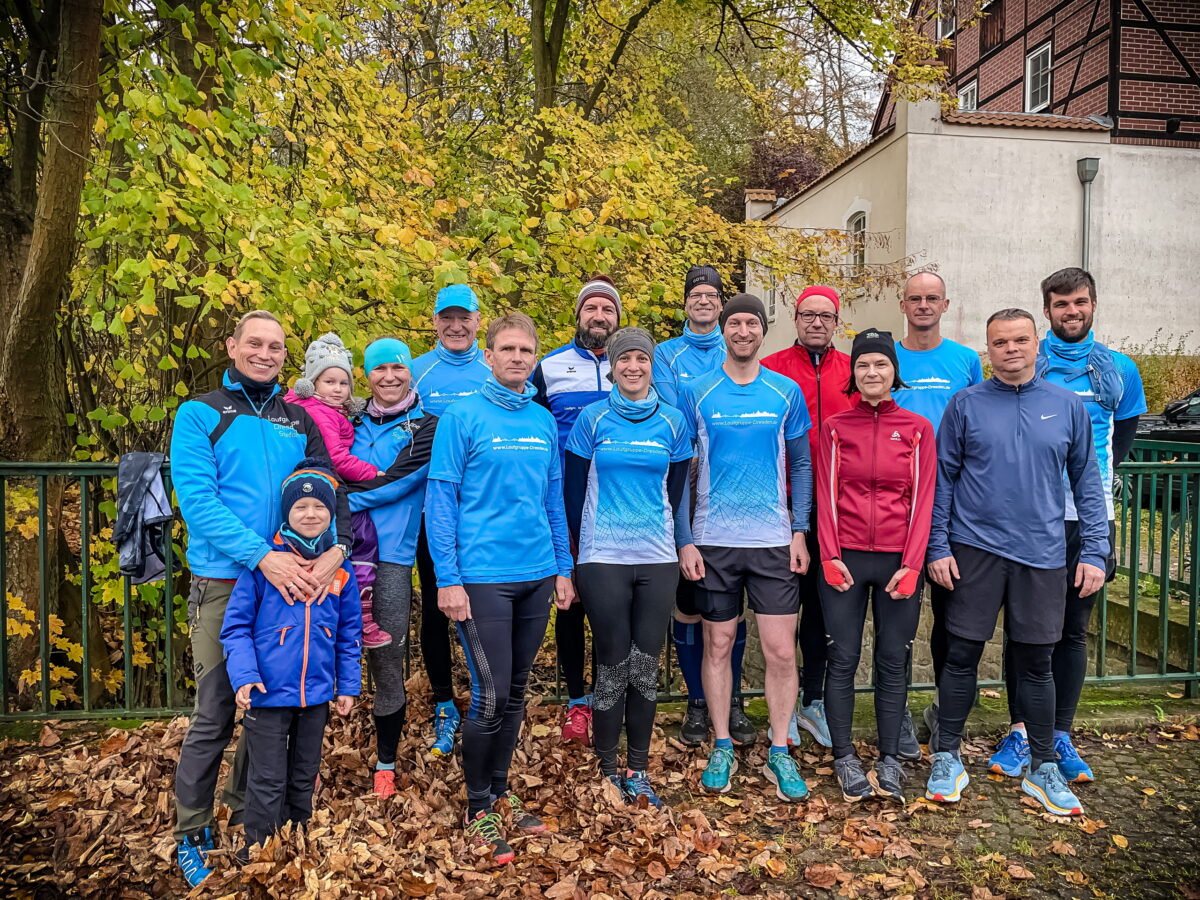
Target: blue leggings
500	642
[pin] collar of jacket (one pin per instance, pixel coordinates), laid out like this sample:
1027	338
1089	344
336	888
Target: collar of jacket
1031	385
806	355
585	352
413	412
884	407
230	384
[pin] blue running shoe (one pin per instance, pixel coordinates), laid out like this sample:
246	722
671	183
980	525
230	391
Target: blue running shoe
947	780
638	785
1048	788
812	719
446	719
1071	765
192	853
721	766
1011	757
781	771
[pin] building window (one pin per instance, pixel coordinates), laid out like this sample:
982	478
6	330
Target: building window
857	228
991	30
947	18
1037	79
968	97
772	298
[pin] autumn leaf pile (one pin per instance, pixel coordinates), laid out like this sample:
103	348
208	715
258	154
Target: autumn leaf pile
88	817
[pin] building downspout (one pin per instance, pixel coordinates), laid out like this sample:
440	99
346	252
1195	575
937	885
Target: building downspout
1087	169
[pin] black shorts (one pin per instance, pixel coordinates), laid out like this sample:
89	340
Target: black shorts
764	573
685	597
1034	600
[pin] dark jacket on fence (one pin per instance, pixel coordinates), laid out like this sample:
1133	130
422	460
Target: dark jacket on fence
143	517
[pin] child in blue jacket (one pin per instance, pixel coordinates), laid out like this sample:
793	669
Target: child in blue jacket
297	657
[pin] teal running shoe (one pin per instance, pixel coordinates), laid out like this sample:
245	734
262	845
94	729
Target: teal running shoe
1070	763
446	720
1011	757
781	771
947	780
1048	787
721	766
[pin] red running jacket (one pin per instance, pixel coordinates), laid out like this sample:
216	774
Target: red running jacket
875	474
823	386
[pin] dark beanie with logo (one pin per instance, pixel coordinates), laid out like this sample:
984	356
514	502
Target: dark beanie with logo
872	340
700	275
311	478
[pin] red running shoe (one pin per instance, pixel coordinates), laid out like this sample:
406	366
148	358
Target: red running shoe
577	724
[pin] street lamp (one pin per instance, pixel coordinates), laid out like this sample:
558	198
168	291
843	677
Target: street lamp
1086	169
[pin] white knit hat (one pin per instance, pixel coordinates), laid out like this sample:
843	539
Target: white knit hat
326	352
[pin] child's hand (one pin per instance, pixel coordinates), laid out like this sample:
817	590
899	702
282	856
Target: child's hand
379	473
243	693
344	705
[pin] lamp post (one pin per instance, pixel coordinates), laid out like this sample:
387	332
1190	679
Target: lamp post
1087	168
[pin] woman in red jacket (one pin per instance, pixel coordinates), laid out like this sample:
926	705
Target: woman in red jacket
876	469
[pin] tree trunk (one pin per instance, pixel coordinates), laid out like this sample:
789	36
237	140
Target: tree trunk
31	369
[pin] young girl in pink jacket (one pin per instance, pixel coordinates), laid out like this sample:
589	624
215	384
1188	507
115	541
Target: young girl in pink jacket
327	392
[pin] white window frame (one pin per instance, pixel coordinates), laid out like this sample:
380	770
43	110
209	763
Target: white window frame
970	90
1046	50
772	298
947	18
856	228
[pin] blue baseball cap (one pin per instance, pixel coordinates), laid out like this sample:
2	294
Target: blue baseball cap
459	295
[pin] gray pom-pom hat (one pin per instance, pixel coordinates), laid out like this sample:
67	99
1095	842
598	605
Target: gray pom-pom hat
326	352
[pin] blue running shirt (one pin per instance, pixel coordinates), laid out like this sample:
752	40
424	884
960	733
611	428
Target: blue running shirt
627	516
1073	376
441	377
503	461
934	376
740	433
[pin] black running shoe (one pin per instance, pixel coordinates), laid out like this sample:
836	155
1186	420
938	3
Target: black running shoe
910	748
696	725
852	779
741	729
889	778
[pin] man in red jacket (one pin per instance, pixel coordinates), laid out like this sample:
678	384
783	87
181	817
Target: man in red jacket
822	373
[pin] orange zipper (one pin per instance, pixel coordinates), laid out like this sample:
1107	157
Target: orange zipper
304	664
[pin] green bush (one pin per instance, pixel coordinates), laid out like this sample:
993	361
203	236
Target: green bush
1169	370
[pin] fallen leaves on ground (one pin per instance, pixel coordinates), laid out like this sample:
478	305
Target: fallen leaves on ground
91	817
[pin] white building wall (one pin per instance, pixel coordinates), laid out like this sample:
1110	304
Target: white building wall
996	209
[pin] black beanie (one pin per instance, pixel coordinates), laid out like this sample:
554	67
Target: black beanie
872	340
698	275
744	303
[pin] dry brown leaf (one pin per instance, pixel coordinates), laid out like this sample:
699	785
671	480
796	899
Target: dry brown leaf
49	737
1121	841
1019	871
1062	848
822	875
1075	877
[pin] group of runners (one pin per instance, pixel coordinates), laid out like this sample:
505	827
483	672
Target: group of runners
647	489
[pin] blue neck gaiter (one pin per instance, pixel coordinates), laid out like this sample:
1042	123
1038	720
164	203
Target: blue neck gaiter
457	357
703	341
633	410
1076	352
503	397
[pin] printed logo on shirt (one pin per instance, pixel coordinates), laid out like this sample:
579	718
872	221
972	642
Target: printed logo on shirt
1051	416
228	411
433	394
896	436
632	446
932	383
758	417
528	442
570	370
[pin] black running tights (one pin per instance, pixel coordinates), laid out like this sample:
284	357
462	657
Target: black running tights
629	608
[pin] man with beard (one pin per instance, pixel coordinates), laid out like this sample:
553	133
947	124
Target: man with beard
1110	387
749	426
568	379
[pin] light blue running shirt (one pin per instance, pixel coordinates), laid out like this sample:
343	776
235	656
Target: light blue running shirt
741	433
503	462
1073	375
441	376
627	516
934	376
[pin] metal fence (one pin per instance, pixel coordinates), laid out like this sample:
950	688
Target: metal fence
80	641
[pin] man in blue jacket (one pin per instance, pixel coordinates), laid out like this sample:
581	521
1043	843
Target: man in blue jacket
453	370
997	541
1110	387
566	380
230	448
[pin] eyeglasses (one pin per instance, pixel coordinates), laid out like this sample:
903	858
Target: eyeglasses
810	317
929	298
704	295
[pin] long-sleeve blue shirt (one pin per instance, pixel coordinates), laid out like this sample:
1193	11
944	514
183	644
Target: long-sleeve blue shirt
1001	454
